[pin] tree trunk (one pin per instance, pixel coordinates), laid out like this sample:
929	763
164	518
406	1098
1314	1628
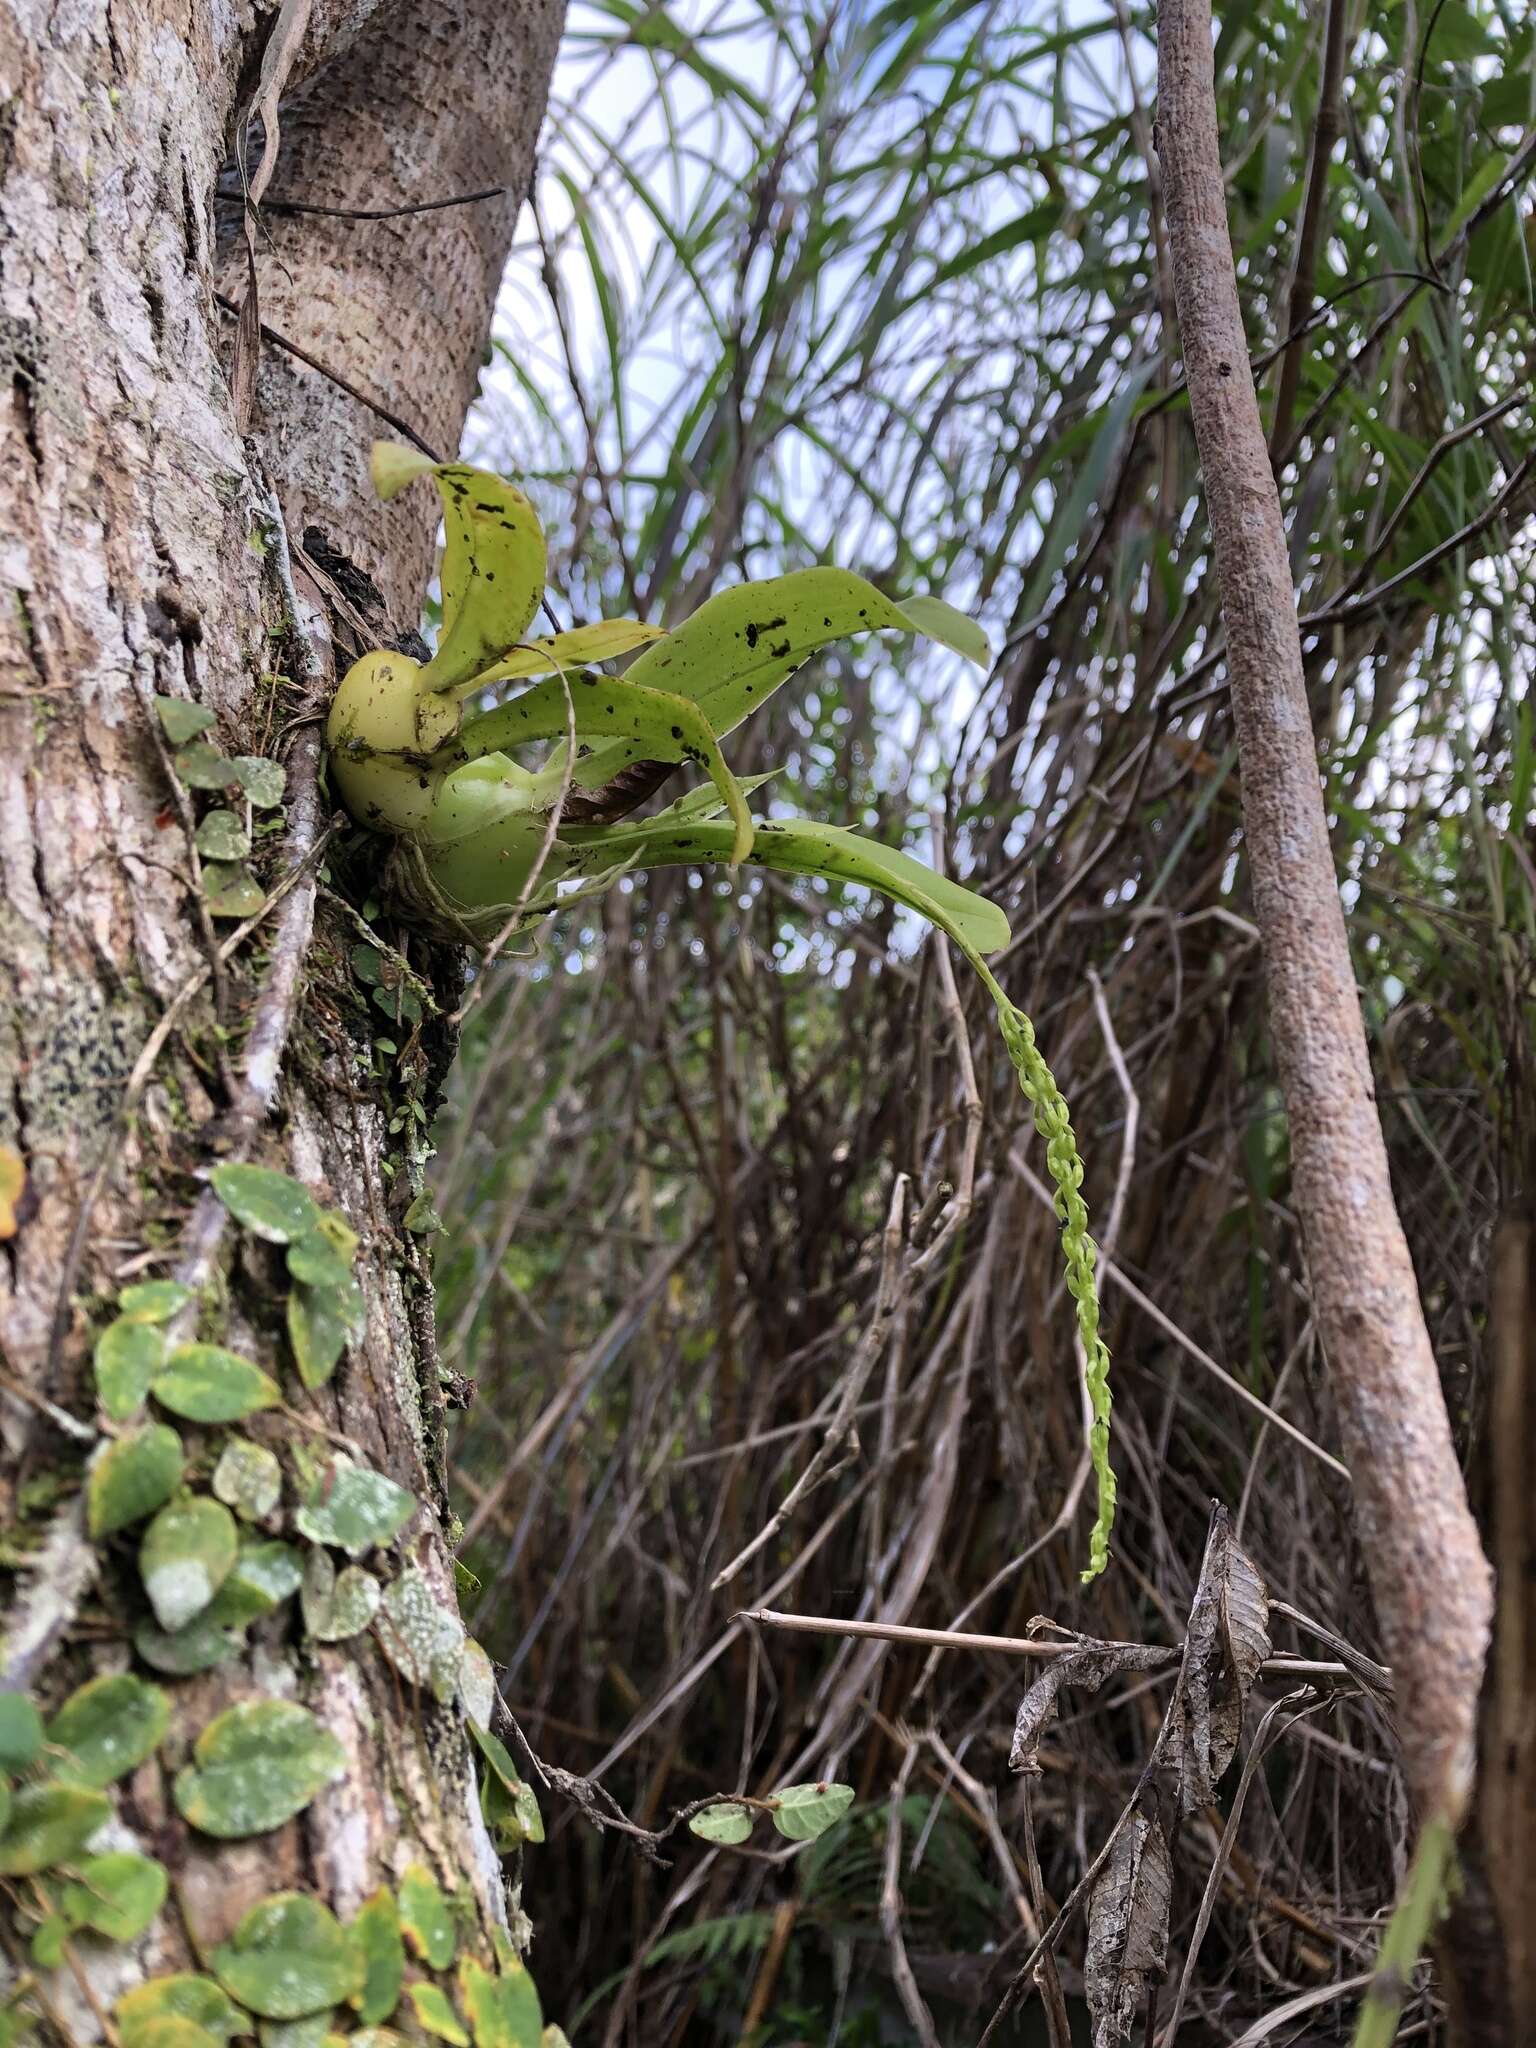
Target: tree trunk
146	1037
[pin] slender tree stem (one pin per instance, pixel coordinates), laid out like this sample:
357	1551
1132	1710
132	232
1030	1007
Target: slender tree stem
1430	1580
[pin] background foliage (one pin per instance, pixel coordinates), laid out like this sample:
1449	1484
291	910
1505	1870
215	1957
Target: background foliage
885	285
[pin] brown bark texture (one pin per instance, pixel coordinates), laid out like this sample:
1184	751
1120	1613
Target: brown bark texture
147	548
1429	1578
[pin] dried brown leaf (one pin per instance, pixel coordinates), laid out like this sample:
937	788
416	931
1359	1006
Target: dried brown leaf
1127	1929
1228	1641
1088	1667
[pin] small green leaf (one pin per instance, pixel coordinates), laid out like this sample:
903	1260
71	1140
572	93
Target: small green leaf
502	2010
181	721
336	1609
253	1767
936	620
116	1895
392	467
368	965
197	2000
425	1920
263	781
729	1823
49	1940
153	1301
186	1554
109	1726
128	1353
435	2015
421	1218
287	1958
273	1205
49	1823
317	1263
353	1507
376	1931
202	1645
420	1638
507	1804
477	1683
802	1812
132	1478
221	836
21	1731
248	1479
264	1575
322	1321
232	891
201	766
305	2033
204	1383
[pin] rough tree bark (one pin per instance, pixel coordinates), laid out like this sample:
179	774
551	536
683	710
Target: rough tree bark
146	549
1429	1578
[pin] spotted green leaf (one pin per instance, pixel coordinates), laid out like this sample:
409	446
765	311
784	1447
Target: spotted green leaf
337	1608
201	766
288	1957
197	2001
221	836
202	1645
305	2033
205	1383
153	1301
128	1353
132	1478
730	1823
353	1507
117	1894
317	1262
181	721
420	1637
477	1683
49	1823
231	891
109	1726
322	1321
513	1817
802	1812
255	1766
262	1577
502	2010
248	1479
186	1554
376	1931
273	1205
263	782
425	1920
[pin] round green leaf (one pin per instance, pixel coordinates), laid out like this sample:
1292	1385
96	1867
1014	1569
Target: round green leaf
181	721
188	1552
802	1812
128	1353
317	1262
305	2033
21	1731
337	1608
206	1384
353	1507
153	1301
132	1478
262	1577
376	1931
421	1638
273	1205
263	781
201	1646
49	1823
47	1945
116	1895
109	1726
248	1479
232	891
221	836
477	1683
253	1767
730	1823
171	2030
201	766
287	1958
197	2001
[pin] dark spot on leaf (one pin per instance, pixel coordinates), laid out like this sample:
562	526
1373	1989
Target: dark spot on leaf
780	651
